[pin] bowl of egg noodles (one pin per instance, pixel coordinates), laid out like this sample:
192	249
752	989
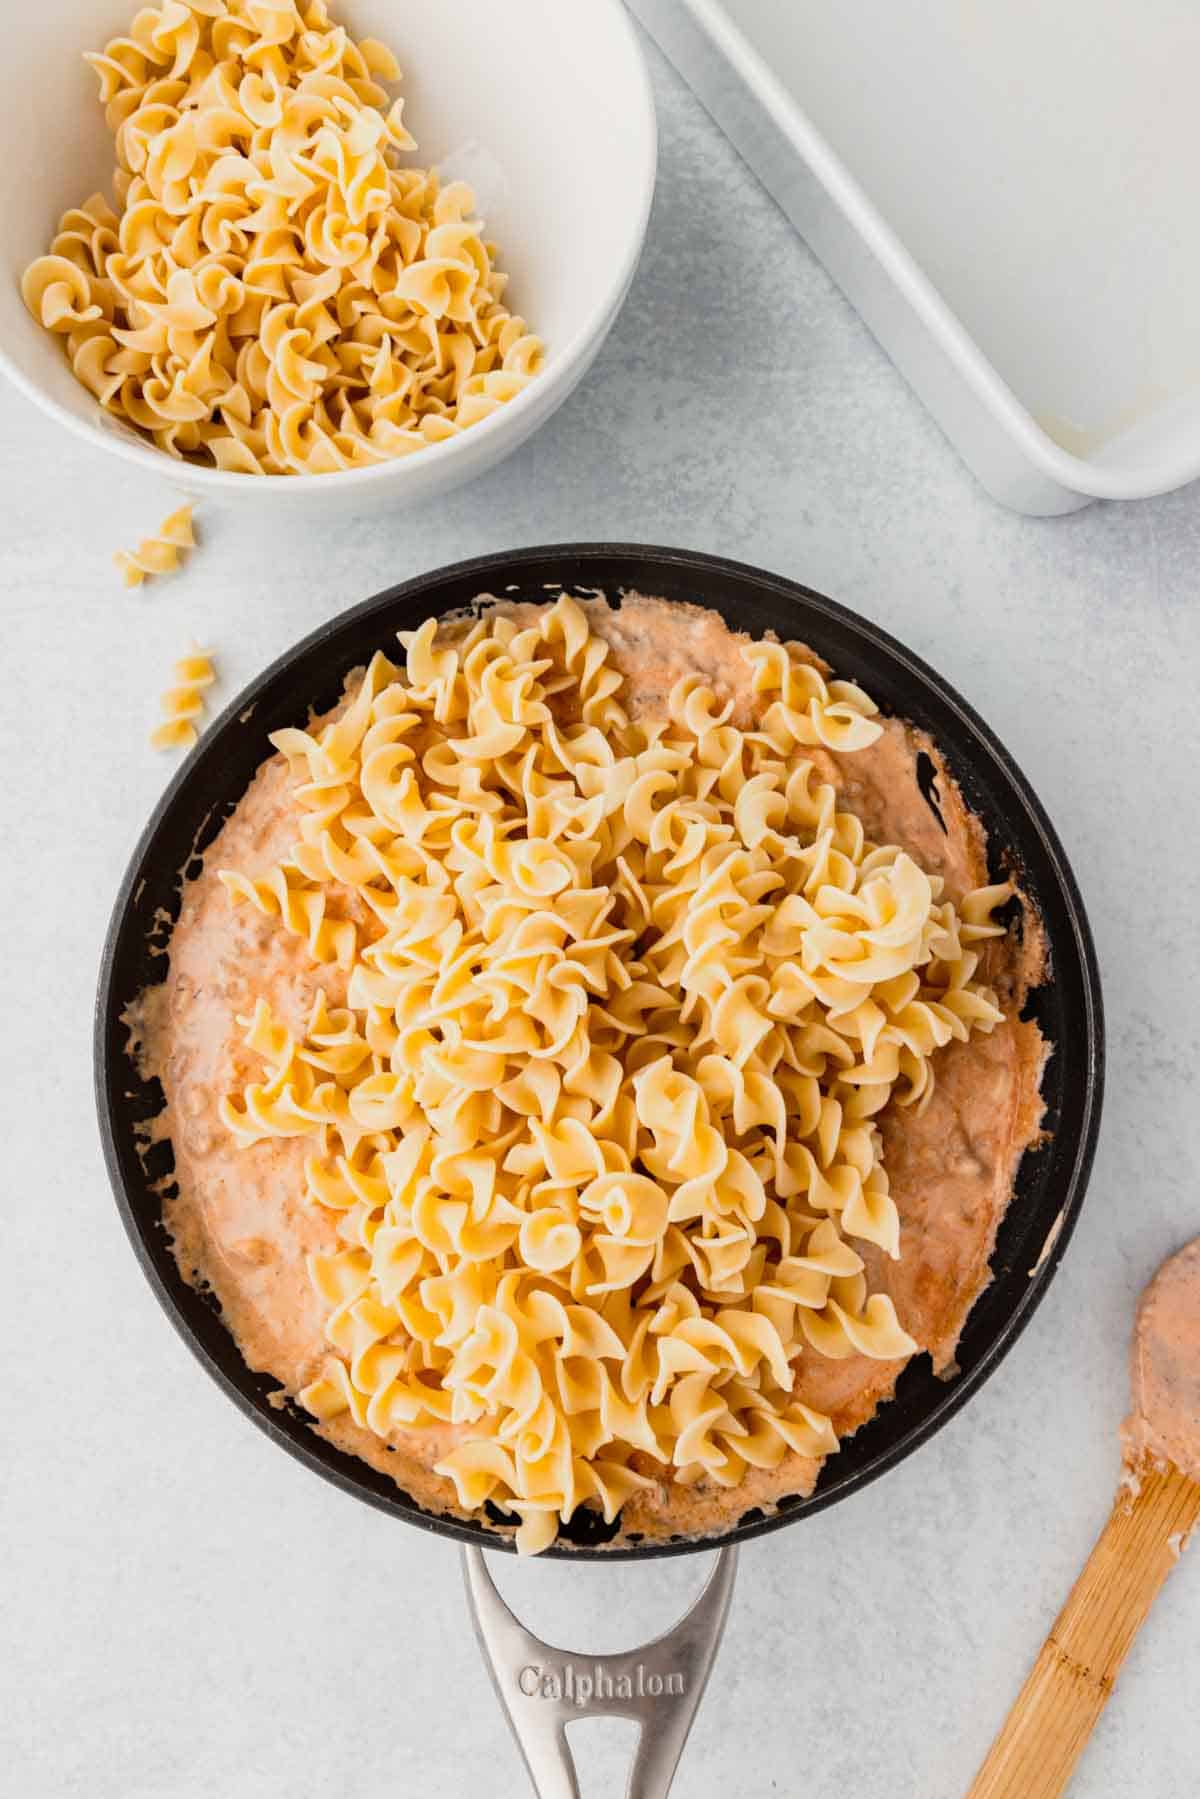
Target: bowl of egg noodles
310	249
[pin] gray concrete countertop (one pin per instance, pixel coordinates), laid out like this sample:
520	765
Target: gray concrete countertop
190	1615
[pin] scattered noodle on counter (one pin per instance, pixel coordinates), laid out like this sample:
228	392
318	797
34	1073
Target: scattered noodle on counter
597	1119
273	293
183	702
158	555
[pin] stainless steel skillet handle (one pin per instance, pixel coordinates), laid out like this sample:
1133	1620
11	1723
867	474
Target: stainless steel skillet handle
542	1689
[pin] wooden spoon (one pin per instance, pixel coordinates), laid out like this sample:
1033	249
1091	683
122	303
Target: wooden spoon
1156	1509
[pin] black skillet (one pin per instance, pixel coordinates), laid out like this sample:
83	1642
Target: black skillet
1051	1181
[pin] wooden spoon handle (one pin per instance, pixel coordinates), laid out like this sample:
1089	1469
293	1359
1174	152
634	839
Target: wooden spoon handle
1035	1753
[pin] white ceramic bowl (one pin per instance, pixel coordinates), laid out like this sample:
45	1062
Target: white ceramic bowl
543	105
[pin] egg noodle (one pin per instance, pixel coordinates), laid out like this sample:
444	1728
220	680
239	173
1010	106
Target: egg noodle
183	702
597	1120
274	294
160	554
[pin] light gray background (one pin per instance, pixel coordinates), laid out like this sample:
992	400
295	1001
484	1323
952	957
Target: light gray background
188	1612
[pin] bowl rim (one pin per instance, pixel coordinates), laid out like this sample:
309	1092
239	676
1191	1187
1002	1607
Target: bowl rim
491	570
109	433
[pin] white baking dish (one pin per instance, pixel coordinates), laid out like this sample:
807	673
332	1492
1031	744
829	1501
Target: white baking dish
1010	196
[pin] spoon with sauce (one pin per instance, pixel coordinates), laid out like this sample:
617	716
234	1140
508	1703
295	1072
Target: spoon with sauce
1156	1509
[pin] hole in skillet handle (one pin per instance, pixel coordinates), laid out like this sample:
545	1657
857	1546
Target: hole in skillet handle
1051	1180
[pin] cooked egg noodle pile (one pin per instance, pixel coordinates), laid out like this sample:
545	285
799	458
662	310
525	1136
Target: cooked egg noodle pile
597	1120
274	294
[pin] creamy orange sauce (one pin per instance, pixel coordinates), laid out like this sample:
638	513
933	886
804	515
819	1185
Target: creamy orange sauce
1163	1427
237	1217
